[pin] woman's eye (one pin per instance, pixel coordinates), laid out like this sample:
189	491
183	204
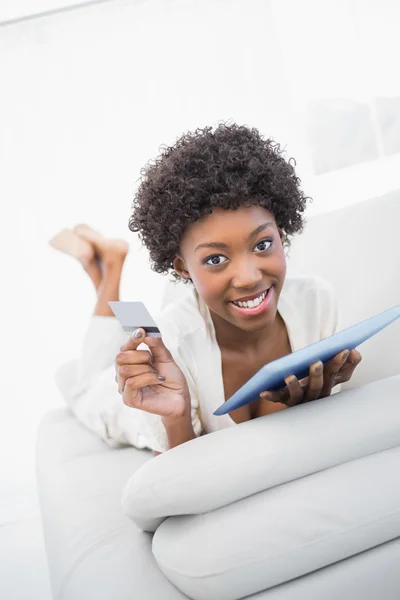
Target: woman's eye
264	245
219	259
215	259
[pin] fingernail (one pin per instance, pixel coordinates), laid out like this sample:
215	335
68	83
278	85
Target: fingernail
138	334
319	368
345	355
161	378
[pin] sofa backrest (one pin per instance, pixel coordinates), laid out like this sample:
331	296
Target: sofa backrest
357	250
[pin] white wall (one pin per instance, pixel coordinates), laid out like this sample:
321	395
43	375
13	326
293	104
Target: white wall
12	11
87	97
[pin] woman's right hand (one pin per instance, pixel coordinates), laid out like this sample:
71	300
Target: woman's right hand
138	374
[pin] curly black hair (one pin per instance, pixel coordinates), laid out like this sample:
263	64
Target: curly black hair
226	168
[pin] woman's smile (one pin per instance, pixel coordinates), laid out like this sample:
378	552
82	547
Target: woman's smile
253	307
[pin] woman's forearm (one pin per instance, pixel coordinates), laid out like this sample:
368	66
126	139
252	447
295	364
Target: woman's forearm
179	430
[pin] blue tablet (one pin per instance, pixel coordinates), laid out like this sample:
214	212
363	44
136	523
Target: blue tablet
272	376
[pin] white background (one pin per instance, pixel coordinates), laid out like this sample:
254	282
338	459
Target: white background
88	95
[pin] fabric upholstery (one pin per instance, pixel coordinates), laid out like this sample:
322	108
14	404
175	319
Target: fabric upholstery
94	550
228	465
284	532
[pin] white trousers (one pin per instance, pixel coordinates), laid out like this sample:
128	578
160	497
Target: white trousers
94	397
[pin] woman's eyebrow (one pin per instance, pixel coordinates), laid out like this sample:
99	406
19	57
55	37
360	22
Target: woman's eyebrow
221	245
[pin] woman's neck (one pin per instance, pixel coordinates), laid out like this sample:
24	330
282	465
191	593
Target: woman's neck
232	339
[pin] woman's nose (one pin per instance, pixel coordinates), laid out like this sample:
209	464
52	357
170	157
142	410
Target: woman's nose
246	275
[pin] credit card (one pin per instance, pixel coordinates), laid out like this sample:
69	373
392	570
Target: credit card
133	315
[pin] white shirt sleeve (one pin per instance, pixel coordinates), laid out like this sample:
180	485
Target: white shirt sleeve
94	398
100	408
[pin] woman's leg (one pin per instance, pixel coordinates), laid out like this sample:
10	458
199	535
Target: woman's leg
94	398
69	242
103	260
110	256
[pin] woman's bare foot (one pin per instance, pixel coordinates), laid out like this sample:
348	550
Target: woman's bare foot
70	243
67	241
110	252
88	233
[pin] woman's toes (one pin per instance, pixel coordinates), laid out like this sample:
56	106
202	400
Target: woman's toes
106	250
68	242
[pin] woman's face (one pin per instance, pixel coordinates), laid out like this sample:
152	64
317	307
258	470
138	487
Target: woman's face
236	255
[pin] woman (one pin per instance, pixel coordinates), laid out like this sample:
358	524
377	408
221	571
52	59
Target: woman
216	210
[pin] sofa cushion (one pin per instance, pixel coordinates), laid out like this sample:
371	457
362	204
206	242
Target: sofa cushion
284	532
228	465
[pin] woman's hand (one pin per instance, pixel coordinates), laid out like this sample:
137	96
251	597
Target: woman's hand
319	383
151	381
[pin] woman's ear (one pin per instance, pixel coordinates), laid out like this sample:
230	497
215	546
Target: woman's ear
180	267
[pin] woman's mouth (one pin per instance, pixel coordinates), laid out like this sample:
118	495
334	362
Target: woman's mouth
254	307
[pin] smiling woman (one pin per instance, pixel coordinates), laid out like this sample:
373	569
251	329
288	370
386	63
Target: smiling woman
216	210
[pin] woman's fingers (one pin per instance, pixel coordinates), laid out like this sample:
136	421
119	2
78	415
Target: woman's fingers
296	392
130	356
277	396
290	395
133	370
133	357
133	384
331	372
130	363
315	382
127	371
134	341
346	371
320	381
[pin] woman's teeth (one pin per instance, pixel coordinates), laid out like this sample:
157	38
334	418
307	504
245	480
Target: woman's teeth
252	303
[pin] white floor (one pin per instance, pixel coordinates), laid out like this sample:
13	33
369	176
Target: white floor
23	563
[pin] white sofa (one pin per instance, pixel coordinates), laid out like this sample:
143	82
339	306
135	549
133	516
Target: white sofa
301	504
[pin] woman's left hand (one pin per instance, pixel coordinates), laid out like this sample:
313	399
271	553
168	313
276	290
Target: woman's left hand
319	383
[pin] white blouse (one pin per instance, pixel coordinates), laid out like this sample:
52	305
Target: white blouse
308	306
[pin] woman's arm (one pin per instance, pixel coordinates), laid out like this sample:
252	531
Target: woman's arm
178	432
